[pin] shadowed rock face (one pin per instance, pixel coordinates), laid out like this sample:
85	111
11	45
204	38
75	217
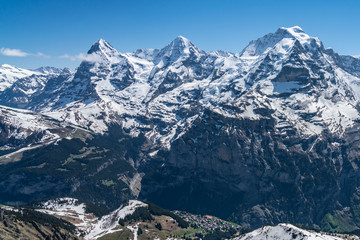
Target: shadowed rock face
245	171
292	74
265	136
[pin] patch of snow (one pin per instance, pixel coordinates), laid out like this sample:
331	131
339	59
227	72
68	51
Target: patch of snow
26	122
134	230
89	225
285	232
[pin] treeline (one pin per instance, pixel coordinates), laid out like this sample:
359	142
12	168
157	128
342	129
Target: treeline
158	211
94	209
140	214
29	215
145	214
218	234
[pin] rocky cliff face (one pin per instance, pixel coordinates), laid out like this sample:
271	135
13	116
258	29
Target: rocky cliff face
247	171
264	136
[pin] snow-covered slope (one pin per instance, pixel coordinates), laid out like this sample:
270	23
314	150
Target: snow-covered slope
283	36
23	128
163	91
24	91
288	232
87	224
10	74
283	112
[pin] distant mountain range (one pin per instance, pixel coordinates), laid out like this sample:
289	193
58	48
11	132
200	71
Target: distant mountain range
264	136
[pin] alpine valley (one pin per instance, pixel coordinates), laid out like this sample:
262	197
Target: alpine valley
266	136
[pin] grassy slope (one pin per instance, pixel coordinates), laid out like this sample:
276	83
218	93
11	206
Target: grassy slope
33	225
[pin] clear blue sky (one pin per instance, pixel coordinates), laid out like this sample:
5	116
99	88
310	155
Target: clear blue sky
58	27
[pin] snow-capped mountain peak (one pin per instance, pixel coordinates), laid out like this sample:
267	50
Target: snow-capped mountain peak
305	40
284	35
180	47
157	82
102	51
181	41
293	31
100	45
290	103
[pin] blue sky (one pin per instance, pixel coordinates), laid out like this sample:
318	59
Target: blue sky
42	31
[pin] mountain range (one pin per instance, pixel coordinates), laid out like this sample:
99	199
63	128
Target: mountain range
263	136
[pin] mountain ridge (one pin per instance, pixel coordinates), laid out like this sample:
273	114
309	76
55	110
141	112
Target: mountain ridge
218	126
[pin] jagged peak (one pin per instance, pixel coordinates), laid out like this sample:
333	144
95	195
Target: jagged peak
102	51
177	48
100	45
182	44
180	40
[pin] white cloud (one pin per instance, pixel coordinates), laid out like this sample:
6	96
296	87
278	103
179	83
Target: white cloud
83	57
13	52
40	54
